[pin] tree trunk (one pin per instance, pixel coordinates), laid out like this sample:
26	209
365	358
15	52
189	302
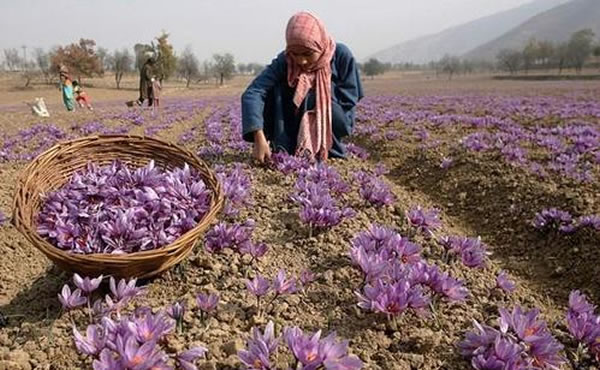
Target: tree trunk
188	80
222	79
118	77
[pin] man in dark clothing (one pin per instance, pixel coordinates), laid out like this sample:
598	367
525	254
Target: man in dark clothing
146	79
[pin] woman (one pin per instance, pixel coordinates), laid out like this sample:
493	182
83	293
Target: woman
304	101
66	88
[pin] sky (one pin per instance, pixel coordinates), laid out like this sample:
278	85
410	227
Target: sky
252	30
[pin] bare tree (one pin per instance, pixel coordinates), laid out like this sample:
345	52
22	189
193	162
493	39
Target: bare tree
530	55
581	48
12	59
509	60
187	66
42	61
122	62
224	67
28	72
450	65
105	58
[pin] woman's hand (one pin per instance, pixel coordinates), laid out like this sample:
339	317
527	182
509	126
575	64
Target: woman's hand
262	150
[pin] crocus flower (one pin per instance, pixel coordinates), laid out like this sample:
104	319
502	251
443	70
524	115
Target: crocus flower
134	356
259	286
207	302
124	289
70	300
283	285
106	361
259	348
176	311
186	359
150	327
92	343
503	282
86	284
307	277
424	219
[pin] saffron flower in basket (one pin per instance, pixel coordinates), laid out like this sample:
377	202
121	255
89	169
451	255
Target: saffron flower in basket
117	209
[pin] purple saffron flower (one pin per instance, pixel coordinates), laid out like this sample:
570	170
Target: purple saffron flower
92	343
107	361
87	285
134	356
552	218
372	265
150	328
186	359
312	351
374	190
424	219
578	304
446	163
259	348
305	348
591	221
504	283
256	250
393	299
259	286
125	289
307	277
176	311
207	302
282	285
70	300
522	342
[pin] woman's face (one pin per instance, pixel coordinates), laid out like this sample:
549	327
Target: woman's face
304	57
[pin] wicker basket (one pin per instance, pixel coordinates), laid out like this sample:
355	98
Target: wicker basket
52	169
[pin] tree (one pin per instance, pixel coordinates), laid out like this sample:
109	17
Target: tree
167	61
12	59
450	65
105	58
530	54
187	66
141	51
509	60
42	61
206	71
80	58
241	67
580	48
546	51
373	67
121	63
28	72
254	68
561	57
224	66
597	51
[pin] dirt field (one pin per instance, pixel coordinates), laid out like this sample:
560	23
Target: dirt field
479	195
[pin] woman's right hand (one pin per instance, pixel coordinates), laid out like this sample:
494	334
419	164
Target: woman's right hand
262	150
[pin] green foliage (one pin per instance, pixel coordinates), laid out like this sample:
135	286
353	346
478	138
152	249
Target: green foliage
373	67
167	61
80	58
188	66
580	47
224	66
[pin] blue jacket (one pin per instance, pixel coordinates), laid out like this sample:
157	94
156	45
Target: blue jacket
267	103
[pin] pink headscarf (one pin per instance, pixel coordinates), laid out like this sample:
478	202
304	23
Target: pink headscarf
315	133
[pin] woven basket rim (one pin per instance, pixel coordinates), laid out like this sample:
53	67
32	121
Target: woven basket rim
217	202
